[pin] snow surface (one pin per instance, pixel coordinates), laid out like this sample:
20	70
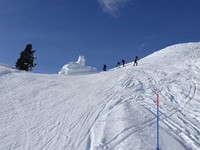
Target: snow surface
112	110
77	67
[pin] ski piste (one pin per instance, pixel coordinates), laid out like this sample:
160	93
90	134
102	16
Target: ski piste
110	110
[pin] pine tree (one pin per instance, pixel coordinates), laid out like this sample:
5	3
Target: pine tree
26	60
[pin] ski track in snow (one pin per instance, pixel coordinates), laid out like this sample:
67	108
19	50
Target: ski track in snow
113	110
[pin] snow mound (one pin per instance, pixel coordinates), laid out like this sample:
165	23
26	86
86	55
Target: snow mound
5	69
77	67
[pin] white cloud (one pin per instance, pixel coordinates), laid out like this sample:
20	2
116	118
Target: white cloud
112	6
147	42
142	45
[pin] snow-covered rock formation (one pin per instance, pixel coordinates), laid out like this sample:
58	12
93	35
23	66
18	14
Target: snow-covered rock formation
77	67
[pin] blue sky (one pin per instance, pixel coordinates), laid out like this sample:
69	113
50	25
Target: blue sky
104	31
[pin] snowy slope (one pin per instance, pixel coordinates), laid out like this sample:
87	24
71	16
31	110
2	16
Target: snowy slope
113	110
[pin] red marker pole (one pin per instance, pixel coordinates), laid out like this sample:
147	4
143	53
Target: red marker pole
157	122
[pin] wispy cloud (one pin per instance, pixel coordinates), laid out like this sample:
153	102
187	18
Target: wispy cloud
112	6
147	41
142	45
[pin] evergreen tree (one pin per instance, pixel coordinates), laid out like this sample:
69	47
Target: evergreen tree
26	60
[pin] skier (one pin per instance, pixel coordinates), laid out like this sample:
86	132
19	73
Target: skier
135	62
118	65
104	67
123	62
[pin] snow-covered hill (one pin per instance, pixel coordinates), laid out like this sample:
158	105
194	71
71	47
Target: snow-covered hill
113	110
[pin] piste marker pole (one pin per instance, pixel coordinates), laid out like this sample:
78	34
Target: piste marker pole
157	122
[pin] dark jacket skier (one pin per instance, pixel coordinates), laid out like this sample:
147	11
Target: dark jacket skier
123	62
104	67
135	61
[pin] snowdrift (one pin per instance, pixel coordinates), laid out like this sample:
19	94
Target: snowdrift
5	69
112	110
77	67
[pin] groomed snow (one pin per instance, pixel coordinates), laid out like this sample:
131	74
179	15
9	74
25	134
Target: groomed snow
112	110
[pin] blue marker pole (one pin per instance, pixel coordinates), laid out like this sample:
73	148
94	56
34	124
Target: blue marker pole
157	122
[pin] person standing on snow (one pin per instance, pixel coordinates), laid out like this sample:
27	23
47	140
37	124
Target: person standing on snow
104	67
135	62
118	65
123	62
